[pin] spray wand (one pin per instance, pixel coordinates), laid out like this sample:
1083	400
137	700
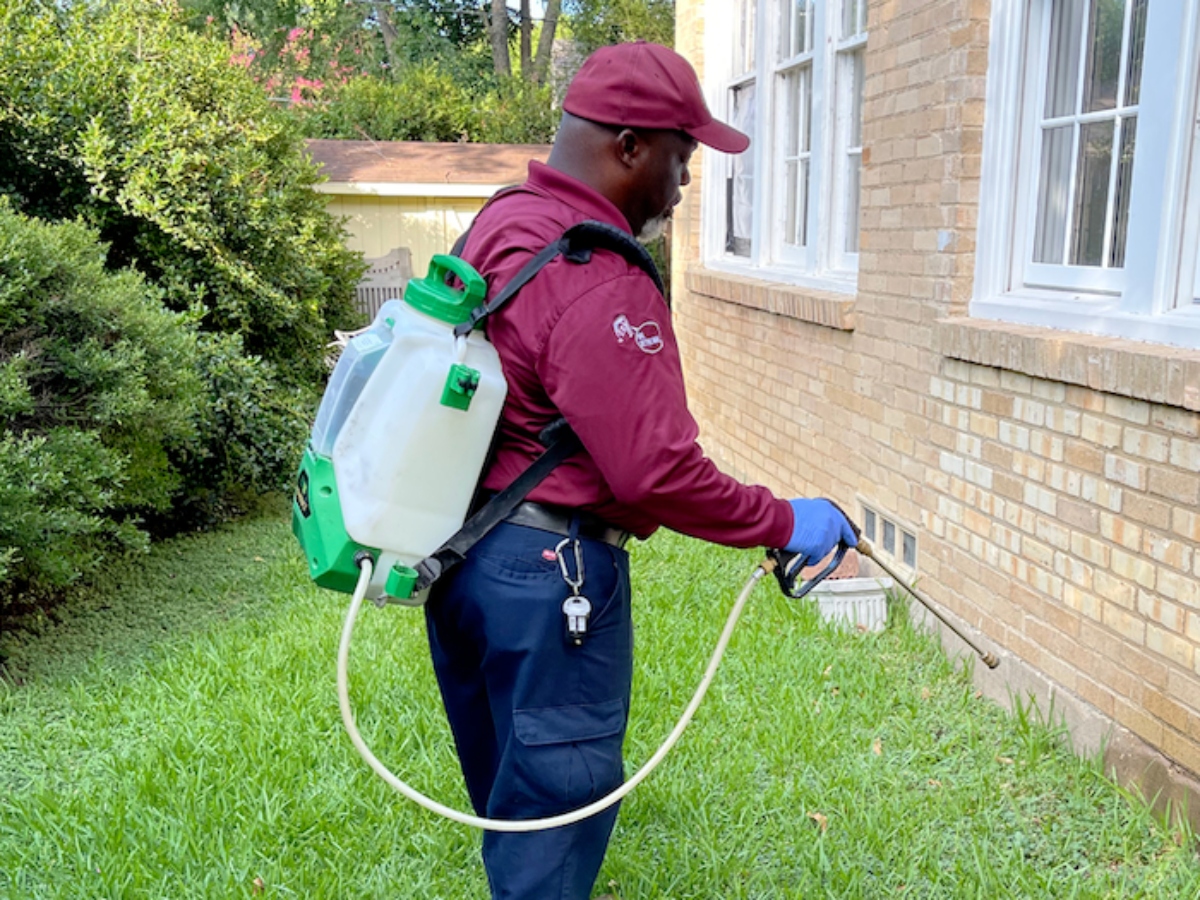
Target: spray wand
789	566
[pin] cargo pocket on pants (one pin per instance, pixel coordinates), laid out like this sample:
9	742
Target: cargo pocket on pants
568	756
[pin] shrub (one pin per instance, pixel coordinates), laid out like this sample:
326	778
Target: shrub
249	435
118	114
97	385
427	103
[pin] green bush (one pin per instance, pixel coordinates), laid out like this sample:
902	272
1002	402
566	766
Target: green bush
428	103
116	113
248	439
97	387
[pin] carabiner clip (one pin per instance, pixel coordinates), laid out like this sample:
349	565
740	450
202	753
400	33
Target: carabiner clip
573	583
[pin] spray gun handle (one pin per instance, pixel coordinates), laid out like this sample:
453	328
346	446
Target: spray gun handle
789	565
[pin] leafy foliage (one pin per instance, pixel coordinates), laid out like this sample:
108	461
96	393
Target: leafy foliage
247	440
96	387
144	129
595	23
429	104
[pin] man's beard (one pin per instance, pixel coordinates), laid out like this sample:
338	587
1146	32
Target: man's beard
653	229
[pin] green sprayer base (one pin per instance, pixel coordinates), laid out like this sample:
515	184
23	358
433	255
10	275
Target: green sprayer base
318	525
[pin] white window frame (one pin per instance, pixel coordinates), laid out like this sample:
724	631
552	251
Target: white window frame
1151	297
822	263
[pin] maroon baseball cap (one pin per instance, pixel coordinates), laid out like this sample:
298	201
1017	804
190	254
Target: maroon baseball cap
644	85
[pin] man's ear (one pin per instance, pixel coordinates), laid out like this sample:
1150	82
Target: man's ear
630	147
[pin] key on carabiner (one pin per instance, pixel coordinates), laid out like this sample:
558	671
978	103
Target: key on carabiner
577	608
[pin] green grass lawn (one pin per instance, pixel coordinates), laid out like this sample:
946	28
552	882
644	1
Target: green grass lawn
177	736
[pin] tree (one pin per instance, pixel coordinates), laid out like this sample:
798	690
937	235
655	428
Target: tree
121	117
595	23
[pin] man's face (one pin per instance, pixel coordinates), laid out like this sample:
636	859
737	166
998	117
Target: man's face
665	171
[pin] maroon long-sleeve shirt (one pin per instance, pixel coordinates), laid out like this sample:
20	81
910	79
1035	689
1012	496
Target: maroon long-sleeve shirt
594	343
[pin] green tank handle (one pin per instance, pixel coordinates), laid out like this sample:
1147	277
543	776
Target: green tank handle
434	297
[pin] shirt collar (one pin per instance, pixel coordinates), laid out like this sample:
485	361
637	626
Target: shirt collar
576	194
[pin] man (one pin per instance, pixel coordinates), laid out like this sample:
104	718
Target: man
539	708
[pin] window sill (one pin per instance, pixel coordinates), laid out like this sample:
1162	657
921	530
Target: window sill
1156	373
805	304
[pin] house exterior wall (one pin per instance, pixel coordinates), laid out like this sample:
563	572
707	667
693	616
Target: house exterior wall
426	225
1052	479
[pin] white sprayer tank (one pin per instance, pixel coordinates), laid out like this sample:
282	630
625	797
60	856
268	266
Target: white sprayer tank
410	453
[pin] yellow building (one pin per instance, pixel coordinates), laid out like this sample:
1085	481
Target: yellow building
404	201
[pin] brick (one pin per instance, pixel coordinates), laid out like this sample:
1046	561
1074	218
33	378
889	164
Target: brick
1183	588
1102	493
1146	445
1148	511
1136	411
1167	614
1083	602
1124	623
1184	751
1077	514
1165	709
1186	524
1172	552
1098	431
1132	568
1065	421
1120	531
1136	720
1177	421
1125	471
1115	590
1095	552
1181	487
1185	454
1079	455
1170	646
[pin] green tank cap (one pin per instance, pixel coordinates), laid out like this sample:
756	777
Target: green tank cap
400	582
432	296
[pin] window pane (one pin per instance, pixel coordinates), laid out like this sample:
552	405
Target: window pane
853	167
744	36
1091	193
854	17
796	87
1116	256
850	95
740	184
1107	26
1054	185
856	70
1062	85
795	32
1137	44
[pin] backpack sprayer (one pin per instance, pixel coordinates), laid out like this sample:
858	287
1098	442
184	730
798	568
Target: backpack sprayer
399	442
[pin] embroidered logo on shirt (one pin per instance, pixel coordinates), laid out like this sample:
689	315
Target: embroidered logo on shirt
647	336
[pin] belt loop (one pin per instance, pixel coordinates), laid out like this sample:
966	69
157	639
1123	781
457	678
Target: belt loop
573	529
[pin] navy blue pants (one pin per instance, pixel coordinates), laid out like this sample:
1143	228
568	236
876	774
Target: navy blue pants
538	721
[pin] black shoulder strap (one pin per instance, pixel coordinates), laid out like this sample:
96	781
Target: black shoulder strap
576	245
562	444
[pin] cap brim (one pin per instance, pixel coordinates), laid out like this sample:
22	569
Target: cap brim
720	136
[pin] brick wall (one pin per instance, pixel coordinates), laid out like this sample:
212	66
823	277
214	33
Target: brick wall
1053	481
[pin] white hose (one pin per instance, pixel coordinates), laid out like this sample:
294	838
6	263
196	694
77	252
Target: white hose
567	818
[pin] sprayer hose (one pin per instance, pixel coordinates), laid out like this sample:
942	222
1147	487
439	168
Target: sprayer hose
568	818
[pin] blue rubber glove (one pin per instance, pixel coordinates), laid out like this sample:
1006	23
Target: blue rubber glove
819	527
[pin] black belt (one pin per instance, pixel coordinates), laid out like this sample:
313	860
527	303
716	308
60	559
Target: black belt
558	520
